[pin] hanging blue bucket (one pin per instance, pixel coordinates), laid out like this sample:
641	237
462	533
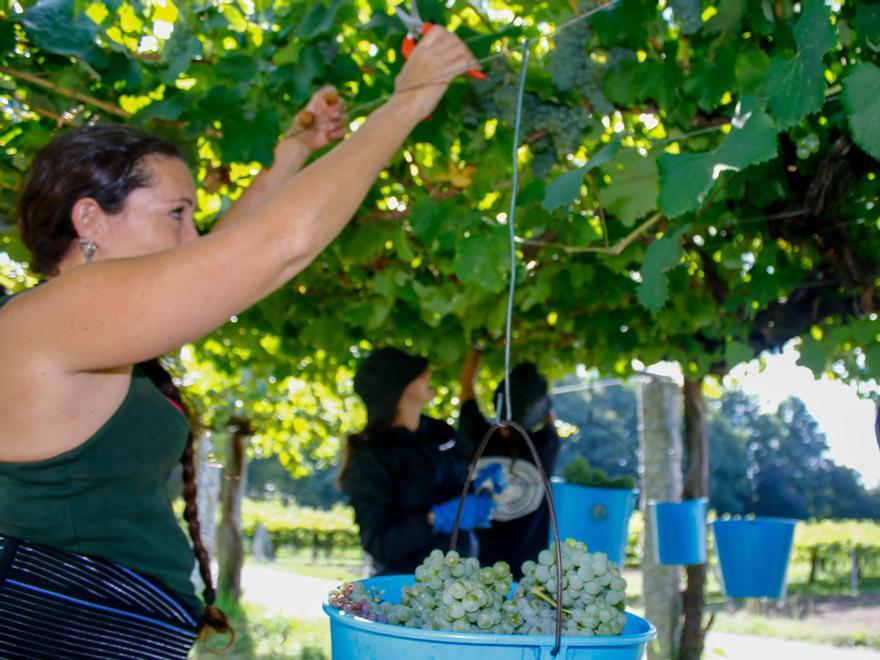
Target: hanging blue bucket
753	554
357	639
680	531
597	516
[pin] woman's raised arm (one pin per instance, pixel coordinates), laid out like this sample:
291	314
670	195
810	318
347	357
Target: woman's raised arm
119	311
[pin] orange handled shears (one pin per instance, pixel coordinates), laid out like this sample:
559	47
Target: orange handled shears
416	28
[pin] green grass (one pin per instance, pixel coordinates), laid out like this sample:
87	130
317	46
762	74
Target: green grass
259	636
342	565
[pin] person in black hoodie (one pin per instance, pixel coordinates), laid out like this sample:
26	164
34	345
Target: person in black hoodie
404	472
521	521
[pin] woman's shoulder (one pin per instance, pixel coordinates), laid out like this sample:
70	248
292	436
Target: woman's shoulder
365	448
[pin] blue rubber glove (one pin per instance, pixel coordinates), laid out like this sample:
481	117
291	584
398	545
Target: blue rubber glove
494	475
475	513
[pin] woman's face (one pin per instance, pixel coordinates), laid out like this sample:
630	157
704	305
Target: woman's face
156	217
418	392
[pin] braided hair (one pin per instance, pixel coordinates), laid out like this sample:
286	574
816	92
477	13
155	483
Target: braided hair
213	617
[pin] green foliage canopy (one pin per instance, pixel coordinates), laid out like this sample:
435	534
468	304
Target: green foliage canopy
697	197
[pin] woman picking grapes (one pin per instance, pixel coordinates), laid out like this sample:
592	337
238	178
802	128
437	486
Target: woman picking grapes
92	562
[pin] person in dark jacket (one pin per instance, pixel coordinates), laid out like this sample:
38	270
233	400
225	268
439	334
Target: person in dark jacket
404	472
521	521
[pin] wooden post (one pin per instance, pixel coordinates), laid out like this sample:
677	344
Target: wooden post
230	550
696	433
660	438
854	573
208	478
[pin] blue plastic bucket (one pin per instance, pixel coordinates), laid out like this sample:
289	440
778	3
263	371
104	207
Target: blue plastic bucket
597	516
357	639
753	554
680	531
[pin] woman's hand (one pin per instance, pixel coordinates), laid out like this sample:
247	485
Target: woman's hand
437	59
322	121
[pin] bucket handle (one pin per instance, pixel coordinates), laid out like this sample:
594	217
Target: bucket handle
548	496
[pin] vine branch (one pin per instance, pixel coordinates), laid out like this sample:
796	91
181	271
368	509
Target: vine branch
614	250
65	91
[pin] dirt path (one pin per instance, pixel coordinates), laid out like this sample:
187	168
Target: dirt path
854	609
750	647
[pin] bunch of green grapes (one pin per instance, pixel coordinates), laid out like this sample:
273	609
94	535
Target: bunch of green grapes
567	126
688	15
543	157
457	595
569	55
454	594
590	87
808	145
592	598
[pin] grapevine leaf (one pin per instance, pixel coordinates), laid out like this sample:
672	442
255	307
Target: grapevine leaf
238	67
872	358
54	27
563	190
686	178
319	19
166	110
634	187
863	106
653	291
180	50
437	301
737	353
751	70
813	356
222	100
796	87
604	155
433	222
868	24
566	188
403	245
730	13
308	67
813	31
660	256
248	141
624	22
483	260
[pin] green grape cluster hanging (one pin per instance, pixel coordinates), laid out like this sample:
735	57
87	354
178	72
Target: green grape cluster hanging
458	595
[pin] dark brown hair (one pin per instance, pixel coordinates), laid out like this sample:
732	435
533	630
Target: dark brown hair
213	617
105	163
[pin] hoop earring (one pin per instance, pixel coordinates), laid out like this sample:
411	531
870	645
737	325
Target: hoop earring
88	248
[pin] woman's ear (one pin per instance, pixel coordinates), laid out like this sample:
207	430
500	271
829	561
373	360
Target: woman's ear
88	219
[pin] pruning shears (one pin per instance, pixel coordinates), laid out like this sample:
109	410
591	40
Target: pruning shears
416	28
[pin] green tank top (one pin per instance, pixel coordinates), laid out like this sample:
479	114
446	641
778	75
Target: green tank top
107	497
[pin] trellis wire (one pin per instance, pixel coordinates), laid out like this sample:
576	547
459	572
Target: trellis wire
511	218
508	423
